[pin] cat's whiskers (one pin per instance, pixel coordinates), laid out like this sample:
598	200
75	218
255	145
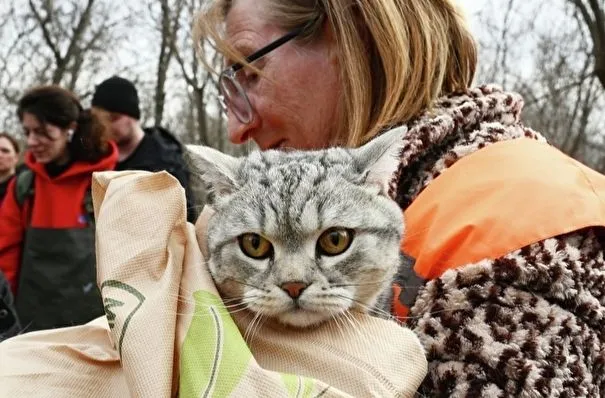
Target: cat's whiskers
228	306
336	323
346	316
226	302
256	315
365	335
445	309
253	327
246	298
428	313
380	282
182	298
201	314
235	306
259	326
184	295
351	318
219	311
370	309
266	302
222	309
345	330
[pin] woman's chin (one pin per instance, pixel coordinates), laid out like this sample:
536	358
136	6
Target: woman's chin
42	159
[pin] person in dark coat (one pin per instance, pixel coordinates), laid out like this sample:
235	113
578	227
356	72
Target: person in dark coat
150	149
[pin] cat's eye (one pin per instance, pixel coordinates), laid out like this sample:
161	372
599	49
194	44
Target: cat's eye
334	241
255	246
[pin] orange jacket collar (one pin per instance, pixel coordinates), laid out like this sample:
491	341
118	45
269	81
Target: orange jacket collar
107	162
497	200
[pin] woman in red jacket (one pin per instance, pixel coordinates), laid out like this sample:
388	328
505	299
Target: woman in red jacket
47	249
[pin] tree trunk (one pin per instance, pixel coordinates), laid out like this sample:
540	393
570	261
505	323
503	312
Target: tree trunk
594	17
163	63
202	126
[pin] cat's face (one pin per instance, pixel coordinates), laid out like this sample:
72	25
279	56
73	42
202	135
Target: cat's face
303	237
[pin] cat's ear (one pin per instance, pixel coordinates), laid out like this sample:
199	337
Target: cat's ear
379	158
217	170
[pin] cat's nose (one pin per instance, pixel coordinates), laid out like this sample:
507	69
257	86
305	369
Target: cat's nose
294	289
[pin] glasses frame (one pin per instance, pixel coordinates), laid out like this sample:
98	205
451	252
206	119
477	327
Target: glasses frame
228	76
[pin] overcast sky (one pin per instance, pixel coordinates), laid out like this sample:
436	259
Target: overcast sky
138	50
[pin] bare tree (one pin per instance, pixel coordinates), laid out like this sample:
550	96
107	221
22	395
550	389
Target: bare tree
169	24
199	81
502	40
63	42
71	32
553	69
46	19
592	13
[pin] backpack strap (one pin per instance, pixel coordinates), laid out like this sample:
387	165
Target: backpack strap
24	189
88	206
24	186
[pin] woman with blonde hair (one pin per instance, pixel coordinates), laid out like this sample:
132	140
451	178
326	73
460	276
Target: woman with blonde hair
507	233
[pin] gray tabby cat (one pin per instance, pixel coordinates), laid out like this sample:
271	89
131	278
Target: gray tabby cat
302	237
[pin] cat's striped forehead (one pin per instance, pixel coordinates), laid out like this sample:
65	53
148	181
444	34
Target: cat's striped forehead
292	195
283	193
294	166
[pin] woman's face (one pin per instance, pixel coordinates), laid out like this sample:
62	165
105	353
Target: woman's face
295	101
46	142
8	156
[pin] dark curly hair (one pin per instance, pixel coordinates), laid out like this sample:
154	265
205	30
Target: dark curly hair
57	106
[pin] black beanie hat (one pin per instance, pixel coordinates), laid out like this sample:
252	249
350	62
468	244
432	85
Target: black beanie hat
118	95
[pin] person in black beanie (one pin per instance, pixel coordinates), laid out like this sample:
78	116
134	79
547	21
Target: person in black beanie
151	149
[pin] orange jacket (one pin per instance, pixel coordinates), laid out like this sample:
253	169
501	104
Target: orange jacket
495	201
58	203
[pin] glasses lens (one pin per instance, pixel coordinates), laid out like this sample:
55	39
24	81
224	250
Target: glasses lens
235	99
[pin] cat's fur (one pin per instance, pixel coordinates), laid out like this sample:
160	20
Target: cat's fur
290	198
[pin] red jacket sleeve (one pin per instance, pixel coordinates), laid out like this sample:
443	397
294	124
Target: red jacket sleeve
11	236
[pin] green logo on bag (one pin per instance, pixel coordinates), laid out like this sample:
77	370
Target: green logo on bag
120	298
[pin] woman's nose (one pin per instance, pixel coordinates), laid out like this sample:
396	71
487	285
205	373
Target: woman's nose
239	132
31	140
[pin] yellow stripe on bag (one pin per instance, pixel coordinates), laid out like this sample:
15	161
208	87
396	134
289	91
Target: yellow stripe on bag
214	355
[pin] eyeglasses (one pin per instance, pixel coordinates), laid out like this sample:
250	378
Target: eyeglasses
231	93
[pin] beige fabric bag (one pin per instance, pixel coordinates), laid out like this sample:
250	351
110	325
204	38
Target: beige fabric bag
166	331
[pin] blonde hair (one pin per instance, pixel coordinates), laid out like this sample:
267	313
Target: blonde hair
397	56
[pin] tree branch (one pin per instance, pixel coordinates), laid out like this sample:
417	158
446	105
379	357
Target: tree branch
74	42
43	22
